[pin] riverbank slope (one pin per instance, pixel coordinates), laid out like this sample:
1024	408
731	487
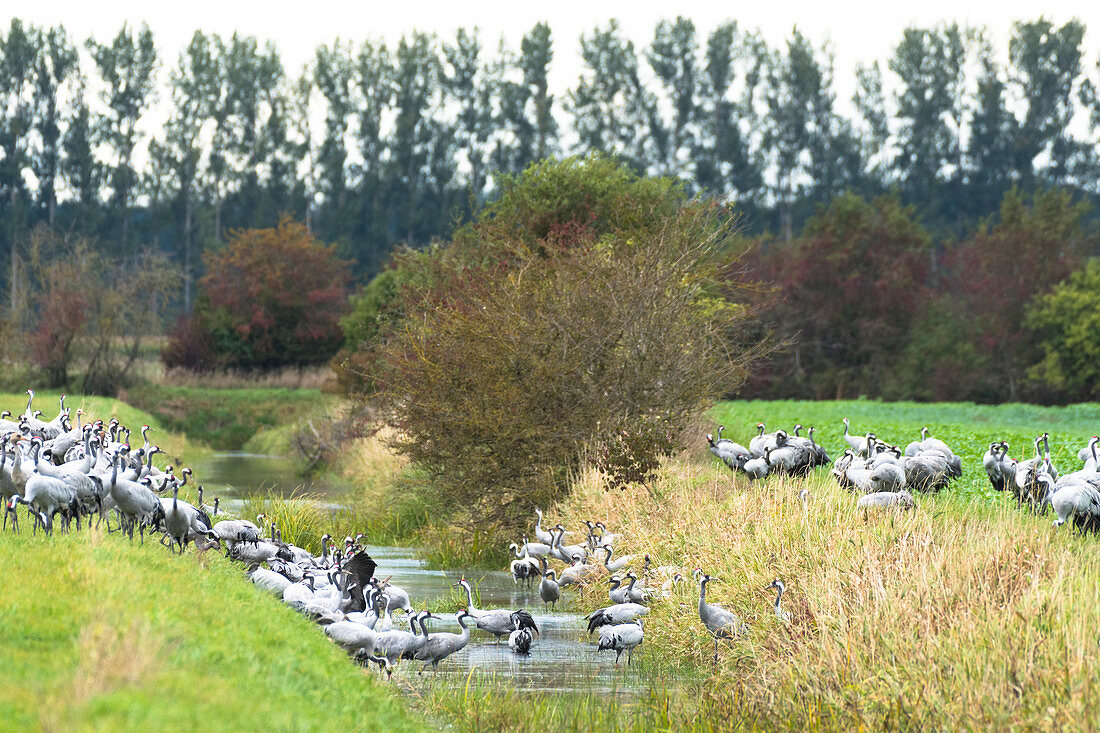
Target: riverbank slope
104	634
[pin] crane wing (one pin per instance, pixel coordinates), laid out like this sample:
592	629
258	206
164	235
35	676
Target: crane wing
361	567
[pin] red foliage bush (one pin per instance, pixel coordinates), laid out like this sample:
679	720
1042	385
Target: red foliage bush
270	298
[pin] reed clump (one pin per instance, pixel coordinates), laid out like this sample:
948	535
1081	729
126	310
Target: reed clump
956	613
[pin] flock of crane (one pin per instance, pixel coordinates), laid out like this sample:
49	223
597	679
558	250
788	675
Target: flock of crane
883	474
69	474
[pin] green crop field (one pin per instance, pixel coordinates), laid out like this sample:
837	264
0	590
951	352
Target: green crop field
966	427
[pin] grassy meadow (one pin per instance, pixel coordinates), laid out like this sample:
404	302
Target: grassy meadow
963	612
177	447
103	634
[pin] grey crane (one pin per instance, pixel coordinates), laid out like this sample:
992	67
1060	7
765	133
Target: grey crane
524	567
617	594
721	623
443	644
780	614
356	638
134	501
621	638
1075	500
565	552
730	453
541	534
620	613
886	499
579	572
619	563
519	641
993	463
859	443
549	591
397	644
756	468
498	621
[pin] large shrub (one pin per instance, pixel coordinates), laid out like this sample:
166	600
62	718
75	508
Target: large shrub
578	318
1066	322
270	298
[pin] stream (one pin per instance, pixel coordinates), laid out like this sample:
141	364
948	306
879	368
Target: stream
563	658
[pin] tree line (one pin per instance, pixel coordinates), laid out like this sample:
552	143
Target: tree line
374	145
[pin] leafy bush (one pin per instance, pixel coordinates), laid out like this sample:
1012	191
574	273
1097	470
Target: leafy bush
270	298
578	309
1067	321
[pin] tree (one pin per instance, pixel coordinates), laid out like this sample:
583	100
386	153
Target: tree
800	136
537	51
270	298
333	73
873	126
1006	264
1046	65
466	84
127	68
57	63
850	288
195	91
673	57
1066	322
930	63
613	112
723	160
577	315
18	54
993	132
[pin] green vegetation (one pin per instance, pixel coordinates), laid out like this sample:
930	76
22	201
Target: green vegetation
230	418
103	634
967	427
177	448
578	318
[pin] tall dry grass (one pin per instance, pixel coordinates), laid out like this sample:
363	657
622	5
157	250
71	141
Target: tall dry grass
956	614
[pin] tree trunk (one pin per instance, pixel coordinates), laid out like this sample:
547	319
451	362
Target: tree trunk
187	248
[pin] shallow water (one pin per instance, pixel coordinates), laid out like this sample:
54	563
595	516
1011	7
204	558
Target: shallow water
563	658
235	476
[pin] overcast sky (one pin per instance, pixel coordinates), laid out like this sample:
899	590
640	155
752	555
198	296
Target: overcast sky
859	30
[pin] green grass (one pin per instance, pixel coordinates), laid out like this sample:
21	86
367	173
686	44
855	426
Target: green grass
102	634
232	417
178	449
966	427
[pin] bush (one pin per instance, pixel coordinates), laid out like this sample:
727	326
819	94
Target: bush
524	351
270	298
1066	322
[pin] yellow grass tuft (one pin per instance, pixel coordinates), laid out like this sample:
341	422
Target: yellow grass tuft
111	659
951	614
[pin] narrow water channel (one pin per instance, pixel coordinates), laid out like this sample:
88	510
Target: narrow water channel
563	658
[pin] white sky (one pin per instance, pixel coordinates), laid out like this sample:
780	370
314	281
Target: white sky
860	30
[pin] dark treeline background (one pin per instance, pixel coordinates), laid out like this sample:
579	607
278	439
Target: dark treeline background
375	145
